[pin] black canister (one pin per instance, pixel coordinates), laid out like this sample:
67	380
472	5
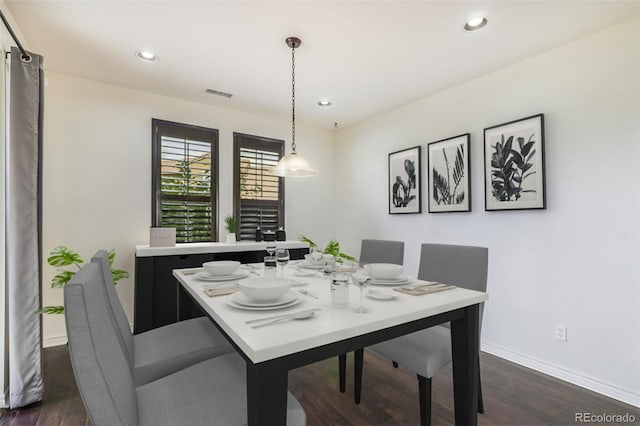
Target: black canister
281	235
269	236
258	234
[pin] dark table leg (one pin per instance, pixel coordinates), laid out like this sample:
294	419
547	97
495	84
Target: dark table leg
267	393
464	351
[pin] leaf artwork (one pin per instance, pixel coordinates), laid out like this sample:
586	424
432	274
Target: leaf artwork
510	167
445	188
401	189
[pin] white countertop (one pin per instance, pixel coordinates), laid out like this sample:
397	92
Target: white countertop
198	248
329	325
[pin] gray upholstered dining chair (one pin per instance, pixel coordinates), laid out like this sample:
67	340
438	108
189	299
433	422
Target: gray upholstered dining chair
164	350
371	251
382	251
427	351
212	392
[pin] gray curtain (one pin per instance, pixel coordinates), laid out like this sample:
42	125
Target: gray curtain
24	229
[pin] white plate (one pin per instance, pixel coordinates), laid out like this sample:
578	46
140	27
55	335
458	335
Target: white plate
243	300
401	280
305	273
306	265
294	302
204	276
379	295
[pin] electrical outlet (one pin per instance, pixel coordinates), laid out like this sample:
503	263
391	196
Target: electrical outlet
561	332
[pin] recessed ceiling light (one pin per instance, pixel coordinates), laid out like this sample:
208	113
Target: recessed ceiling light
324	102
475	23
147	56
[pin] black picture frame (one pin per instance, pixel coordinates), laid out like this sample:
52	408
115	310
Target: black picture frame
449	171
405	181
514	177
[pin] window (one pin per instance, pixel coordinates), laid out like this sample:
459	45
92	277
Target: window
258	196
185	180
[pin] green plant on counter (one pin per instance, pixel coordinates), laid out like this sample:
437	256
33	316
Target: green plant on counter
231	224
61	257
332	248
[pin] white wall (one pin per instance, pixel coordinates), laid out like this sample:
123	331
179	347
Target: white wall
575	263
97	173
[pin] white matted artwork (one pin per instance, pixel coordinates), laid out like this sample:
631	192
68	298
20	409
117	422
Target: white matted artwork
514	165
449	175
404	181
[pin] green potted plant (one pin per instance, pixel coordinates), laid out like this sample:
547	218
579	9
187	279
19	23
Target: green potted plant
231	224
61	257
332	248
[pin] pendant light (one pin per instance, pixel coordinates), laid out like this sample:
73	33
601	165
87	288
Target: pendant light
293	164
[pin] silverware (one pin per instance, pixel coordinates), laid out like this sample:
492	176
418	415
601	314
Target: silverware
279	316
306	293
420	286
302	315
221	286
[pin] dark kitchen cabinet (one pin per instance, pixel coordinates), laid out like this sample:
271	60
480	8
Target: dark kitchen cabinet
158	298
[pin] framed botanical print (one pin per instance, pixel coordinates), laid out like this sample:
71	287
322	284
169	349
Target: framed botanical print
449	175
404	181
514	165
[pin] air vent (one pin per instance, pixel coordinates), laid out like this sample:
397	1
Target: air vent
218	93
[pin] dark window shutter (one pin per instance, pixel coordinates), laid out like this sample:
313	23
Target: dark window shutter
259	196
185	180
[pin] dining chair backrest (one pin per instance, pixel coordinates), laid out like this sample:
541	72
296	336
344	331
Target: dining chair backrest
382	251
464	266
116	311
99	364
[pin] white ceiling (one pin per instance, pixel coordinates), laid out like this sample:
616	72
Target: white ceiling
366	56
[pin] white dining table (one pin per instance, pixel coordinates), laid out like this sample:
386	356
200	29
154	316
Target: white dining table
270	352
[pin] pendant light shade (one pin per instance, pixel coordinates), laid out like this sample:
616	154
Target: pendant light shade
293	164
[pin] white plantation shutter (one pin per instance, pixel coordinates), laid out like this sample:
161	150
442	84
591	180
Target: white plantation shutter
185	180
259	196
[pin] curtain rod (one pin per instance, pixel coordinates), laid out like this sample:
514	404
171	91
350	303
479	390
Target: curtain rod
25	56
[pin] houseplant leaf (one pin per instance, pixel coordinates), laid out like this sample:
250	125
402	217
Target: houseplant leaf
51	310
62	256
61	279
118	274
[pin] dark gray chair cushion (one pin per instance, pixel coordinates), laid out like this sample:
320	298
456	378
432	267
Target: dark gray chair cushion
173	347
164	350
212	392
382	251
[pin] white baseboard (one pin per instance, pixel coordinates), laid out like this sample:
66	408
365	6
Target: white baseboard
562	373
47	342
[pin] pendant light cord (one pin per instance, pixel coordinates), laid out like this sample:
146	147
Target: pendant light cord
293	99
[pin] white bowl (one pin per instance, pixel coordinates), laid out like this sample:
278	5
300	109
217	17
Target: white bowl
221	267
383	271
264	289
310	261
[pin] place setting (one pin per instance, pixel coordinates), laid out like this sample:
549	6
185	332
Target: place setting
265	294
221	270
386	274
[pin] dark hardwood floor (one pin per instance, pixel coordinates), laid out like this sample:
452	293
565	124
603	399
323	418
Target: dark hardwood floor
513	395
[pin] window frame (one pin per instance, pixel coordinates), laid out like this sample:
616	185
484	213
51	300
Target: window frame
255	142
190	131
